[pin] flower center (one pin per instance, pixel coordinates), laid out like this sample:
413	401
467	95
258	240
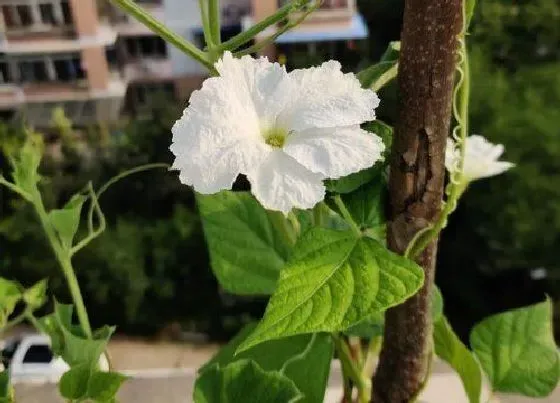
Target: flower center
275	136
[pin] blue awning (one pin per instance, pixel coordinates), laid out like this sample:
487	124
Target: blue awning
357	29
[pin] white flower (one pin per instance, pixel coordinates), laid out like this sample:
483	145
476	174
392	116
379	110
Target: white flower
285	131
481	158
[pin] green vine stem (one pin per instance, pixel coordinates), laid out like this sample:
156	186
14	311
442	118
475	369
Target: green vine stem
288	26
64	259
246	36
160	29
202	5
15	189
351	370
214	15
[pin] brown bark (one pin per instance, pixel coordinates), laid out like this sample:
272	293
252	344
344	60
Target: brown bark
426	78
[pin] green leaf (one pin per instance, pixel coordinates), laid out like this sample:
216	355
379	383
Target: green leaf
247	249
10	294
370	327
383	130
469	11
67	220
437	304
305	359
103	386
25	163
67	340
244	381
517	350
450	349
333	281
382	73
73	384
36	295
367	207
353	181
374	325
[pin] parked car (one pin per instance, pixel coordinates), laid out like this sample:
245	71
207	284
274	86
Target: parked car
29	358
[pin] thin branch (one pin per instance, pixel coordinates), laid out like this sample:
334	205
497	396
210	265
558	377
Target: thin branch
288	26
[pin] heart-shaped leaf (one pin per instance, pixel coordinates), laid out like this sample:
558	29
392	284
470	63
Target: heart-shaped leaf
517	350
333	281
246	248
244	381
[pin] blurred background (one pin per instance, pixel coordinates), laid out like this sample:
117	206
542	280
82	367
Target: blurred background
122	88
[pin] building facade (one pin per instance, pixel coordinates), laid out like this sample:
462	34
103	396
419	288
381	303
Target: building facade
95	61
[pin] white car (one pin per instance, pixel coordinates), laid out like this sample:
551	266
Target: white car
29	358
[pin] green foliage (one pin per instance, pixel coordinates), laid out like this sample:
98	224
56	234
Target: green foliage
84	380
245	241
83	383
366	205
10	294
449	348
333	281
67	220
24	161
469	11
517	351
69	342
305	359
374	325
244	381
36	296
380	74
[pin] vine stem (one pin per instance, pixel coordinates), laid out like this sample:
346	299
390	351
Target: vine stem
63	258
351	370
214	12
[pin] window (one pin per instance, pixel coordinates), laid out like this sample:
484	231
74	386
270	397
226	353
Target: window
146	46
9	19
38	354
68	69
5	75
24	14
47	14
131	47
33	71
111	56
66	12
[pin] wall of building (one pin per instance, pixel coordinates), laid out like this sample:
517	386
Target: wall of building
183	17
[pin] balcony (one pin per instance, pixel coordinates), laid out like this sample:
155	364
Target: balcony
148	70
126	25
37	20
38	43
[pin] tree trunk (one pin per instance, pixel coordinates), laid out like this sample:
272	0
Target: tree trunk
426	77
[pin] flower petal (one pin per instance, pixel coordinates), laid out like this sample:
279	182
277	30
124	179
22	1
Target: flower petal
261	80
217	137
281	183
335	152
325	97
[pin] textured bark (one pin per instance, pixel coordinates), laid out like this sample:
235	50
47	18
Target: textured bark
426	78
